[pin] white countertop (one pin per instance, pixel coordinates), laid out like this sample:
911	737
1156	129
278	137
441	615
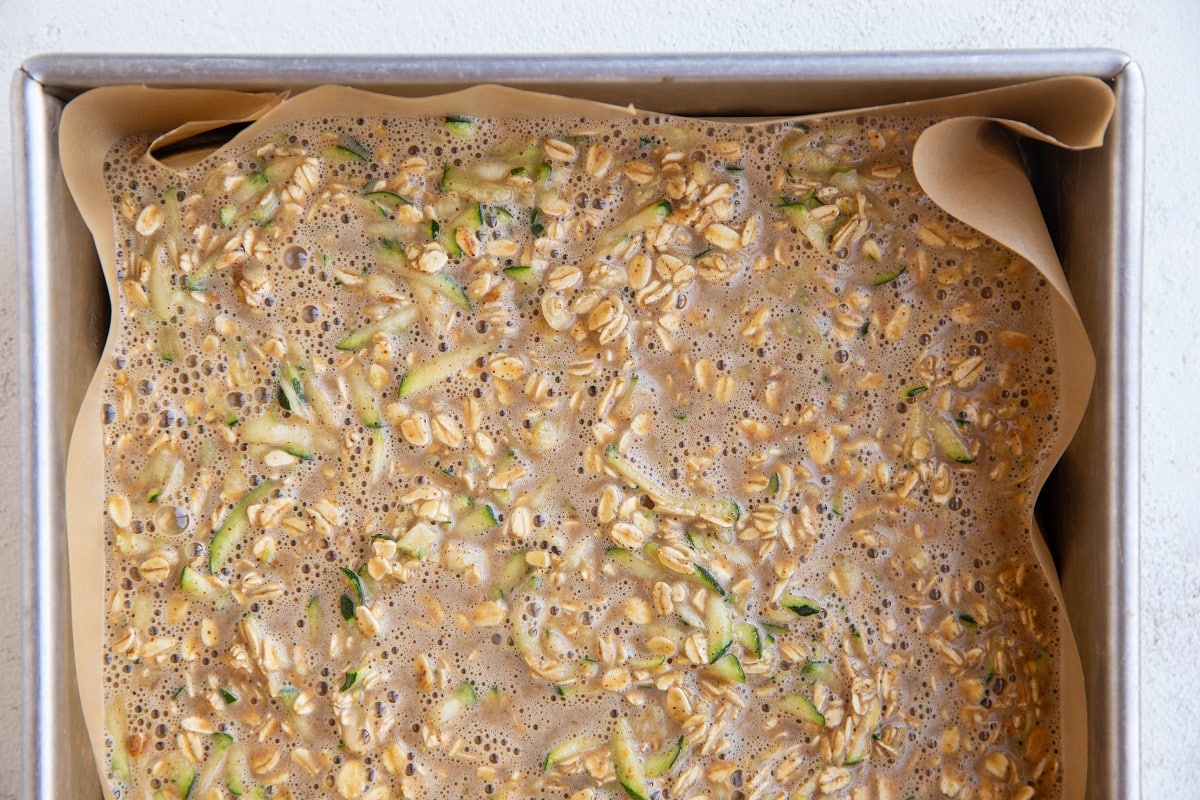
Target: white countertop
1159	34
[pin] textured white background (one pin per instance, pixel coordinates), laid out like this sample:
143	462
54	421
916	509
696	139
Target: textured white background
1159	34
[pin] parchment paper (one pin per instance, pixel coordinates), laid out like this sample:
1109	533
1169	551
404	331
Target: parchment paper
969	165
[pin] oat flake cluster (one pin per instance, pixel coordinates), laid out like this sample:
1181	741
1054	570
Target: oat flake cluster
572	459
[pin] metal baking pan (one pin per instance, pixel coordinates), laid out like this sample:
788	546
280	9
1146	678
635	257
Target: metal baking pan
1093	202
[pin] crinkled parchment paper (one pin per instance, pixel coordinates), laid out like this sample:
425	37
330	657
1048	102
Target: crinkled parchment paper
968	164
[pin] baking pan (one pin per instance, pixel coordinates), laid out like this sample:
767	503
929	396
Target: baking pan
1092	200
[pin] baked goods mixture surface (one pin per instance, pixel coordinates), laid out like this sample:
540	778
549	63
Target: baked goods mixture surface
465	458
